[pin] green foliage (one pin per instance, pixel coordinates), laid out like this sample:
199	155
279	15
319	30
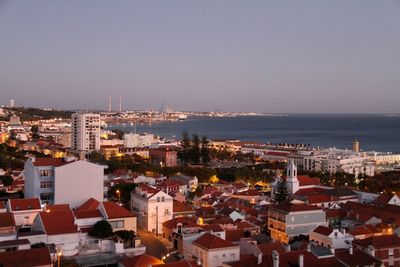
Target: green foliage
125	235
35	132
205	151
282	191
184	151
195	153
101	229
34	114
6	180
124	191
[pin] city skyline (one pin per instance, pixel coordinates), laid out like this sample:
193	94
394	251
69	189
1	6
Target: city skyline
271	57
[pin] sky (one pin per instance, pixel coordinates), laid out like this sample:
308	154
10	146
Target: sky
259	55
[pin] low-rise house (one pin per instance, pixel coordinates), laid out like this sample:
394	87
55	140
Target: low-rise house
7	226
143	260
119	217
153	207
385	248
37	257
60	229
12	245
182	210
288	219
329	237
213	250
24	210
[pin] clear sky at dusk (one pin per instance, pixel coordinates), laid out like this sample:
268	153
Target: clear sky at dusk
265	56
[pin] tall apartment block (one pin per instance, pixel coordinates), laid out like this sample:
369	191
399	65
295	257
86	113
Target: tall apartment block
85	132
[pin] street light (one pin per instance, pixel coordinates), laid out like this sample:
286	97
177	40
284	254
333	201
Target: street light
119	195
59	254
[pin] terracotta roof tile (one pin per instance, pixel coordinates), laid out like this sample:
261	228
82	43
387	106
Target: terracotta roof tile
54	162
58	222
26	258
87	214
114	211
25	204
323	230
90	204
181	207
209	241
143	260
7	219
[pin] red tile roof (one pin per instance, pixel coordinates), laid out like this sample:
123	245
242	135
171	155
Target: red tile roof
208	241
180	207
58	207
82	214
26	258
323	230
7	219
185	221
234	235
25	204
90	204
306	180
58	222
113	210
267	248
379	242
212	228
291	207
53	162
143	260
359	258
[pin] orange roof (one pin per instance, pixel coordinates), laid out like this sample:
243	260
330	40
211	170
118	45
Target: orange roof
54	162
185	221
58	222
267	248
306	180
180	207
25	204
90	204
379	242
143	260
7	219
209	241
323	230
113	210
87	214
57	207
290	207
26	258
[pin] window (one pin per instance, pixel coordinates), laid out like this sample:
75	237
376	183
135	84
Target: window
117	224
46	197
46	184
162	199
166	211
158	199
46	173
390	252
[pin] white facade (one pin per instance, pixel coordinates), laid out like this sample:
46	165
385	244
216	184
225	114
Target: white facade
73	183
215	257
336	239
138	140
153	208
85	132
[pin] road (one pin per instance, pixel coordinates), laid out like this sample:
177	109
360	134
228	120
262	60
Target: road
154	246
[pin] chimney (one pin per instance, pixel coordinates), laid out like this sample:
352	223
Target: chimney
309	247
351	249
333	250
259	258
301	260
198	261
33	159
275	258
287	248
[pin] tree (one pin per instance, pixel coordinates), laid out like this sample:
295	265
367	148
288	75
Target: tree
101	229
6	179
35	132
184	152
205	151
195	153
282	191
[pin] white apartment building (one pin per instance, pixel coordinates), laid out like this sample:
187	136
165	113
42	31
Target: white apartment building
152	206
63	180
333	161
329	237
85	132
138	140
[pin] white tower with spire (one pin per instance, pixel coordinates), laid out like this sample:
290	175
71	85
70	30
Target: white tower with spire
292	181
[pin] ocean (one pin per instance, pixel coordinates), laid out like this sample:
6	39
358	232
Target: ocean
376	132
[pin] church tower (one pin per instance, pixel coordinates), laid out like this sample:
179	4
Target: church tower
292	181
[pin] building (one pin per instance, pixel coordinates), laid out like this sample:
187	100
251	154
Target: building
15	120
138	140
153	207
213	250
37	257
24	210
386	248
63	180
289	219
356	146
163	157
329	237
85	132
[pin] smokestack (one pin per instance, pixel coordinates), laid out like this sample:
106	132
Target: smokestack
109	104
120	103
301	260
275	258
